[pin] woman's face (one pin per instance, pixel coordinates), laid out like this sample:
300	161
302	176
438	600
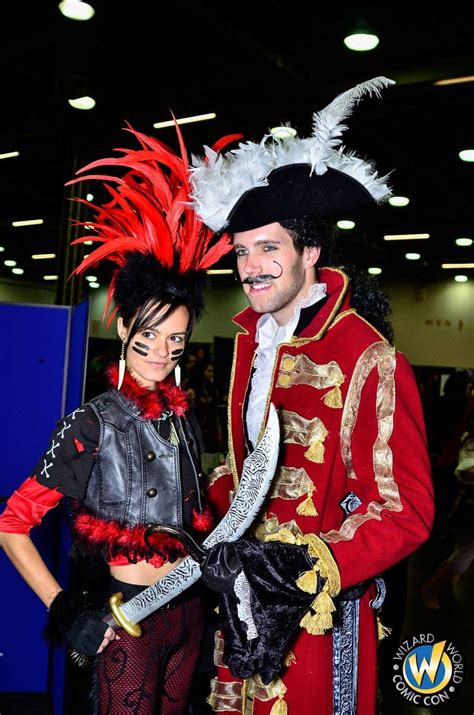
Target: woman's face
153	353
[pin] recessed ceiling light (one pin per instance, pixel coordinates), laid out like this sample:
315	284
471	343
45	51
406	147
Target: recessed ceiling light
457	265
283	132
18	271
185	120
374	270
82	102
346	225
94	285
9	263
467	155
1	249
41	256
361	41
412	256
9	154
88	243
464	241
219	271
76	10
91	278
405	236
90	197
30	222
50	278
399	201
460	279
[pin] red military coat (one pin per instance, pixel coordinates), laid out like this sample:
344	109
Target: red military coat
352	435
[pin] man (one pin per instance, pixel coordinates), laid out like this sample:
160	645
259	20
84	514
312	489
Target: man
353	473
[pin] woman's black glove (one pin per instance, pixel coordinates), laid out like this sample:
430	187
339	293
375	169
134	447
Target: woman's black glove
72	618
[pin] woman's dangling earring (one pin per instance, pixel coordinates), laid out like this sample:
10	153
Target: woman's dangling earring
177	375
122	365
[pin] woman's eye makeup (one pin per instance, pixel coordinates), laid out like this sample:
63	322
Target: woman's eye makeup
140	348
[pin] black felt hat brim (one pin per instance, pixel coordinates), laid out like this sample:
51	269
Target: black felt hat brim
292	192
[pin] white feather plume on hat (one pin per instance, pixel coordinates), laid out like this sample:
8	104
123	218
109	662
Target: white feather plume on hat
219	181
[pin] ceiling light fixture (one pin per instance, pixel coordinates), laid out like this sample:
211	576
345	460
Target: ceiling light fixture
374	271
18	271
412	256
466	155
405	236
399	201
457	265
219	271
76	10
454	80
91	278
461	279
361	41
464	241
85	102
283	132
9	154
31	222
88	243
185	120
2	248
346	225
42	256
9	263
50	278
90	197
93	284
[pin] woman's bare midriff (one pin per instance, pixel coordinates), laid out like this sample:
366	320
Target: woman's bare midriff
142	573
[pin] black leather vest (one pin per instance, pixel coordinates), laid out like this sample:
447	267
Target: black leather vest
136	478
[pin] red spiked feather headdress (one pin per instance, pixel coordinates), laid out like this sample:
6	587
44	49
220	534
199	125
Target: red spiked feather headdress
149	228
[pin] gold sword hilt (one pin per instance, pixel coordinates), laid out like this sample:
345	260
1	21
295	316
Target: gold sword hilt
115	603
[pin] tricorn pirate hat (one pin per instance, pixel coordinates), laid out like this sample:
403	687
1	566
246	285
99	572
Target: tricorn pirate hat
278	179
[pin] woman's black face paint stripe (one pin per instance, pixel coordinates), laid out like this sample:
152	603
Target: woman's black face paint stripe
143	346
176	354
143	353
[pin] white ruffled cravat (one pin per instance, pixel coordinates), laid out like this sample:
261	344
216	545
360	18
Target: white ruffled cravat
269	336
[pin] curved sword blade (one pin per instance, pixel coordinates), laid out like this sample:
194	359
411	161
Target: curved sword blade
257	474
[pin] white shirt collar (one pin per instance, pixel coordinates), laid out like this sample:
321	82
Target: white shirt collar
269	333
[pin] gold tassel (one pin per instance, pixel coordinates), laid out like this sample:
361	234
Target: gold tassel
279	707
382	631
307	507
323	603
308	581
333	398
315	452
313	626
323	621
306	620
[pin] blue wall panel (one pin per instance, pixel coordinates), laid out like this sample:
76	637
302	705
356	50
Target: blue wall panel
42	368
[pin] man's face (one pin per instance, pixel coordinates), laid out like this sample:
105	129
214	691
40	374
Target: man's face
275	276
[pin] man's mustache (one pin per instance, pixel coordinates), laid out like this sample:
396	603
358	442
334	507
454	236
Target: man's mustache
253	280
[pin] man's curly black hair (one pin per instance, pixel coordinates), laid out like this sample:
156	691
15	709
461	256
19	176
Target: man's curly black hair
367	297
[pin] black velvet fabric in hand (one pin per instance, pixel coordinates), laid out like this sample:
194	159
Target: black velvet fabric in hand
277	604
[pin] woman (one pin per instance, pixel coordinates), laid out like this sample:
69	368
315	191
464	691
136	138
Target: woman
130	456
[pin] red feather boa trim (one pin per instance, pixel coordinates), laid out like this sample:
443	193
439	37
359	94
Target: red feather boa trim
151	403
111	539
